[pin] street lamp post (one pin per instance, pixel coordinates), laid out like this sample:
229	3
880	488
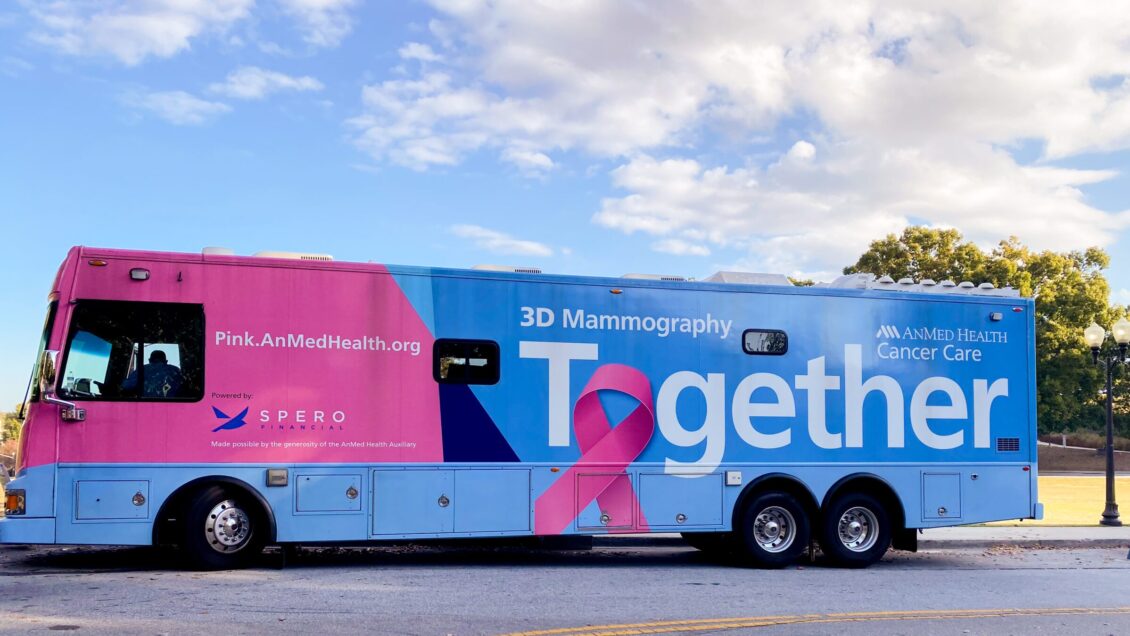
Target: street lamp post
1111	357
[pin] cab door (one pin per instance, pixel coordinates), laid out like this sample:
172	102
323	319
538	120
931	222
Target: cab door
130	366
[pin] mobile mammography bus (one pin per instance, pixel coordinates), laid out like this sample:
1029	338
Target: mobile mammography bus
224	403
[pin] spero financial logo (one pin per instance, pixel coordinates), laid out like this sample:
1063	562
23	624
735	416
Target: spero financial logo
283	420
230	423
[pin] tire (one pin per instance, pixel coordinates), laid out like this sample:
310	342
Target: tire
856	531
223	530
773	531
709	542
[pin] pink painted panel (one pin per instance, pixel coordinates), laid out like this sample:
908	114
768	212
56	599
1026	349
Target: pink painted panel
331	364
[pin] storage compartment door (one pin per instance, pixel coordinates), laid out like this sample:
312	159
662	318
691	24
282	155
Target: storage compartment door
111	500
605	501
492	500
677	501
328	493
941	496
412	502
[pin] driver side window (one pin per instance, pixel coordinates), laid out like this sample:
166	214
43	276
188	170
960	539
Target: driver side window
134	351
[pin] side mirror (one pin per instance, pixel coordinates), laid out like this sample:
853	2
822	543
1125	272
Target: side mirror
47	372
70	412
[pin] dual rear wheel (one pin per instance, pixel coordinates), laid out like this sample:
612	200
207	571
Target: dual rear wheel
775	529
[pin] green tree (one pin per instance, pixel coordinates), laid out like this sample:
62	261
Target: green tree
11	429
1070	291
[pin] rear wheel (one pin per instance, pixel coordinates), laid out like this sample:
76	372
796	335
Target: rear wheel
222	530
856	531
773	531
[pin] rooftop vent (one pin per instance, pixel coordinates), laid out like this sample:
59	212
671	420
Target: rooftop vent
667	277
294	256
217	251
507	268
749	278
927	285
852	281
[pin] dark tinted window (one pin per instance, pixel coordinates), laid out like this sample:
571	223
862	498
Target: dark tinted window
134	351
765	342
465	361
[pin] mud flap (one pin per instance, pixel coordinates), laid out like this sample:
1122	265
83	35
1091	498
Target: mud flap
905	539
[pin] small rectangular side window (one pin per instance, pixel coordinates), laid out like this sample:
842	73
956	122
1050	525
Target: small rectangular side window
465	361
765	342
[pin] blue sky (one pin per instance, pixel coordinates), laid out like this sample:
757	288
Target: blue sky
584	137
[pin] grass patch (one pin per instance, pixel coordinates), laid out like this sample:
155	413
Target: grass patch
1086	439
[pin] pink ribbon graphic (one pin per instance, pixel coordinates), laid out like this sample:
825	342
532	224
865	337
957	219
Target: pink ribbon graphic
606	453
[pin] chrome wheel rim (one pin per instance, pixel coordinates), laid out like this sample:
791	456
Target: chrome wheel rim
858	529
227	527
774	529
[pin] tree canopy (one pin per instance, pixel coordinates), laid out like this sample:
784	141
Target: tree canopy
1070	291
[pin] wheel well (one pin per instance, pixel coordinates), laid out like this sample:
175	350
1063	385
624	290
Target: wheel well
777	482
873	485
169	518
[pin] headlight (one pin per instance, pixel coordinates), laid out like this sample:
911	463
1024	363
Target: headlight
14	503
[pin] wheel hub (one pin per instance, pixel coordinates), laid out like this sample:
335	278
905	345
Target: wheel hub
227	527
774	529
858	529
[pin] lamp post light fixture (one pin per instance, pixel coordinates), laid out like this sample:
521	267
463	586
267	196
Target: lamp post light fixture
1110	358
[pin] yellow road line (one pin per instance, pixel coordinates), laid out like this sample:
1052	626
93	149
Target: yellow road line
713	624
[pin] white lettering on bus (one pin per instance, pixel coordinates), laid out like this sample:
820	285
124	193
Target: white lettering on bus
747	414
282	416
558	354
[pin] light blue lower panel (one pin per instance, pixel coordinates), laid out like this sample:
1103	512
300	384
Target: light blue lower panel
27	530
413	501
681	501
492	500
941	496
327	493
124	499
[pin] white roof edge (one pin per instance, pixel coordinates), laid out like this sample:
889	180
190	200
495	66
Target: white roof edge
296	256
514	269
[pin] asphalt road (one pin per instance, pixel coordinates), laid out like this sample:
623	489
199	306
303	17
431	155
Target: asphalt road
494	590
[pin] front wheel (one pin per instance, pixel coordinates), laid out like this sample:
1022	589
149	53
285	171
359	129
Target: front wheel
221	530
856	531
773	531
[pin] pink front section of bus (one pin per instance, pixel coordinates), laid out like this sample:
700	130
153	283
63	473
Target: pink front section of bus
285	378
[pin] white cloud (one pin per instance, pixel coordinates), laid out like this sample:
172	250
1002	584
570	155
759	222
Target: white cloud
252	82
14	66
421	52
679	247
528	161
132	31
817	216
322	22
500	243
903	113
177	107
1122	297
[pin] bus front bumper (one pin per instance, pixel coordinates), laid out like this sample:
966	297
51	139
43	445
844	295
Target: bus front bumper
27	530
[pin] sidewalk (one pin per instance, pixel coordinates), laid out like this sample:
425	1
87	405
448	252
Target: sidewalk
974	537
964	537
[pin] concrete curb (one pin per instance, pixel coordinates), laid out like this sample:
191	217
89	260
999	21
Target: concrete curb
662	541
984	544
